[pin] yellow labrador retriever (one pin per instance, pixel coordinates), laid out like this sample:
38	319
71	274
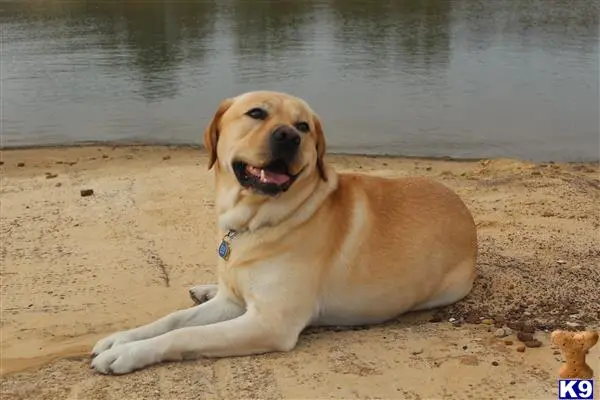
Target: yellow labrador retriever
303	245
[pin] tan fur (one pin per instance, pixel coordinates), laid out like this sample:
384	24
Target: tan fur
333	249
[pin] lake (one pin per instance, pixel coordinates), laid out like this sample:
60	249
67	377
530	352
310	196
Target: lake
432	78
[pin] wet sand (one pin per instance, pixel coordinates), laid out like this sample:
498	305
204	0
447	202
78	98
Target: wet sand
77	268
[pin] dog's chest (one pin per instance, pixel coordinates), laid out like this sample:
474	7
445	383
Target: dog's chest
230	278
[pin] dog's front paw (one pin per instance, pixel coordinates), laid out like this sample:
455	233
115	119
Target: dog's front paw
109	342
202	293
125	358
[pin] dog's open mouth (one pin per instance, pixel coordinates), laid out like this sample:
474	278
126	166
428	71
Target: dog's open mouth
271	179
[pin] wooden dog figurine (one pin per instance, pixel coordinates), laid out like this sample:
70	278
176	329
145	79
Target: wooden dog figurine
574	347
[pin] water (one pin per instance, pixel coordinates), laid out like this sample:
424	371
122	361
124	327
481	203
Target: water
458	78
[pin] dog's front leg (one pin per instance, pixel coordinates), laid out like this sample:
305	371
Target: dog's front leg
219	308
251	333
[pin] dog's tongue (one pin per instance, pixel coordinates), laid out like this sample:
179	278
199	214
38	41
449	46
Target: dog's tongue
266	176
273	177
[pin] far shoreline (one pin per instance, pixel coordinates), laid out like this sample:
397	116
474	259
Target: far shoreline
333	152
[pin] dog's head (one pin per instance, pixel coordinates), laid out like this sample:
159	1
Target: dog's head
269	141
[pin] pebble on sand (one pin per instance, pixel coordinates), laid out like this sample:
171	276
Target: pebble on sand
87	192
533	343
575	325
21	164
50	175
521	348
502	332
525	336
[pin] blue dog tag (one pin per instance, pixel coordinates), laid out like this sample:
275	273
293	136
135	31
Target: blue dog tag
224	250
225	246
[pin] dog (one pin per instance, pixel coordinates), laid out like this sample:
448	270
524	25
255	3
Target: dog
300	244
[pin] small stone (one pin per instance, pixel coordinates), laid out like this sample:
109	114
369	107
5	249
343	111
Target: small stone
469	360
533	343
428	168
515	325
508	342
104	155
50	175
58	184
166	158
524	336
521	348
86	192
573	324
512	382
452	320
500	333
495	363
556	353
561	262
1	162
487	321
528	328
21	164
416	351
472	319
464	347
536	173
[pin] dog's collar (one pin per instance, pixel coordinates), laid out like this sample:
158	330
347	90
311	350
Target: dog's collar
225	247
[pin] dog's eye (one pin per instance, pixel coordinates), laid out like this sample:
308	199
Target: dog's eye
302	127
257	113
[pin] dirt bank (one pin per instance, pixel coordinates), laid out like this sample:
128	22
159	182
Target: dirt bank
76	268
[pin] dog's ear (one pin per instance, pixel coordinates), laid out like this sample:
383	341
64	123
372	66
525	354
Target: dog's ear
211	134
320	147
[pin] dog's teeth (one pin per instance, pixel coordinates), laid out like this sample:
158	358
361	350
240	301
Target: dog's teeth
263	178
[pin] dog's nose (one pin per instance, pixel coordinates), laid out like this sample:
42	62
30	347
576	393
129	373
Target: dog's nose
285	142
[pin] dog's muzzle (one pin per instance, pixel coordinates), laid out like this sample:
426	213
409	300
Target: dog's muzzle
284	144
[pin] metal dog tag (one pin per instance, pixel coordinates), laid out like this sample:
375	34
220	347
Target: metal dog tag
224	250
225	246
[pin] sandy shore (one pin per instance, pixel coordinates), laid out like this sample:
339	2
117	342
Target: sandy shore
77	268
